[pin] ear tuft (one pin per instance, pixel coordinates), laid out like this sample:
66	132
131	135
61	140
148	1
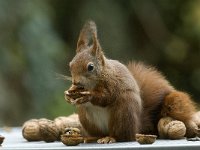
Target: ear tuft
89	30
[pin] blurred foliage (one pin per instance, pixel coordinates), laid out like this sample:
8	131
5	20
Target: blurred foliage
38	38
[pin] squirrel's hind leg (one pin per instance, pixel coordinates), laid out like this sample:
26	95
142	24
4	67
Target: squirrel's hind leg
106	140
179	106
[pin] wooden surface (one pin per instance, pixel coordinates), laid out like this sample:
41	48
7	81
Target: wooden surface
14	140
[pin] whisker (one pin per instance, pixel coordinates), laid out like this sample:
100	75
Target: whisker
63	77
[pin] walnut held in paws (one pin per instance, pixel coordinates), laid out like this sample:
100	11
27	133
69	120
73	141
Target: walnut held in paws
75	95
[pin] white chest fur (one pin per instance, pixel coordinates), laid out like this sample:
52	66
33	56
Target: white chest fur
98	116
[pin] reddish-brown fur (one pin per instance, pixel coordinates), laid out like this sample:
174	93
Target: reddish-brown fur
178	105
124	100
154	87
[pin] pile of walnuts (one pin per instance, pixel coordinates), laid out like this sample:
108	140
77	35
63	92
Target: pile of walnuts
48	130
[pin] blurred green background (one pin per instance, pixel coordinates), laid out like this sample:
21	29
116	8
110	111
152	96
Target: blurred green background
38	38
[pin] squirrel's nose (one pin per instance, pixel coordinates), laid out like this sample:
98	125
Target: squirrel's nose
78	84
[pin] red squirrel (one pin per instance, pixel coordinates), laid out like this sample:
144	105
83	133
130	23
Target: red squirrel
122	100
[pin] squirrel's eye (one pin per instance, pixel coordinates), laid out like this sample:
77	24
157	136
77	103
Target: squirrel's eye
90	66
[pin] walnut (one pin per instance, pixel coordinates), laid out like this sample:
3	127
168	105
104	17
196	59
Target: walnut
72	132
170	128
161	126
176	129
1	139
42	129
145	139
66	122
72	137
31	130
48	130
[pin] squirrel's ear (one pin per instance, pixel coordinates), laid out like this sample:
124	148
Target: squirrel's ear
96	47
88	35
85	35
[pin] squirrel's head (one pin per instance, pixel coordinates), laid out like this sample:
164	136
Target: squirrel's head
89	61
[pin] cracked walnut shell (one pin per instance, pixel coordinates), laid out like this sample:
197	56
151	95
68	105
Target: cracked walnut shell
145	139
72	137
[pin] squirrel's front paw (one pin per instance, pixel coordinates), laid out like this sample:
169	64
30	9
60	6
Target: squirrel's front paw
81	100
68	98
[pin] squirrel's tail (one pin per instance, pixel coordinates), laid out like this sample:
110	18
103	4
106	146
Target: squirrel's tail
180	106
